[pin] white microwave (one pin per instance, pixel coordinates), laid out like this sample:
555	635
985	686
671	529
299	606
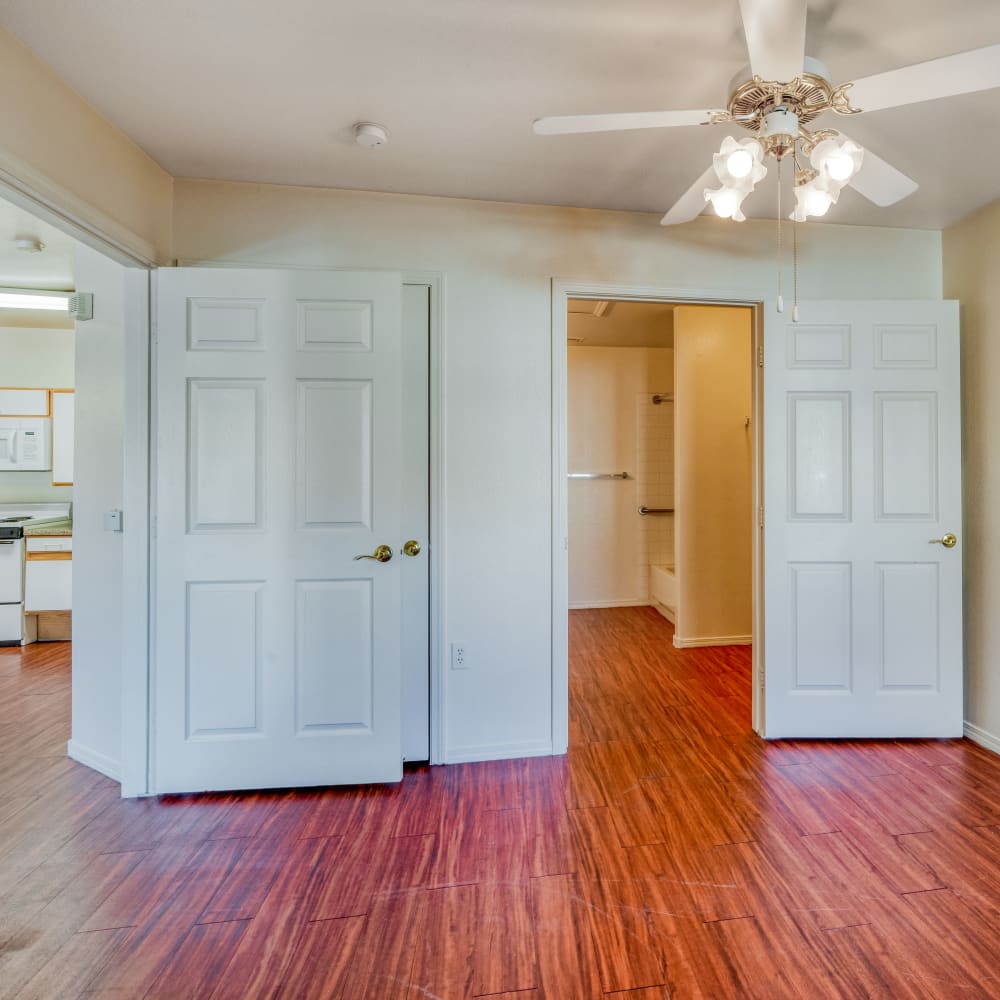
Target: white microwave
25	444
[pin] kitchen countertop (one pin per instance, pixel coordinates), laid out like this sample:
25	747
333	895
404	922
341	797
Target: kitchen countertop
64	527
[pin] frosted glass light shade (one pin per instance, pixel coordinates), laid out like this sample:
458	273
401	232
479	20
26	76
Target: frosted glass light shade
739	161
814	198
727	202
838	161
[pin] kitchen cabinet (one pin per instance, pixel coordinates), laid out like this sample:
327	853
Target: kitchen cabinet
63	428
24	402
48	574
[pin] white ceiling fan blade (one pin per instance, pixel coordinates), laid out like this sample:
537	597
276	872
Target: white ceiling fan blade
776	37
964	73
691	203
571	124
881	182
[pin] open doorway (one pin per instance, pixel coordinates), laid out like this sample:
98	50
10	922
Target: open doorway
660	528
73	456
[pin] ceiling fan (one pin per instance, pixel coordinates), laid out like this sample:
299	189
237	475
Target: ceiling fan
786	92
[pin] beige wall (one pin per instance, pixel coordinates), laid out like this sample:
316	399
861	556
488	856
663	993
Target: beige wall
610	545
498	262
714	448
971	269
56	143
34	359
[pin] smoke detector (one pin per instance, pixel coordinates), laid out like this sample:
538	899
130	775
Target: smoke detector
29	246
370	134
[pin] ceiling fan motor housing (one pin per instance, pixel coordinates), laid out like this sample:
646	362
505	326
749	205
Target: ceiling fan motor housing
778	131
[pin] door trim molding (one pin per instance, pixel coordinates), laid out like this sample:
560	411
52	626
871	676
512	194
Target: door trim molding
438	720
28	188
564	289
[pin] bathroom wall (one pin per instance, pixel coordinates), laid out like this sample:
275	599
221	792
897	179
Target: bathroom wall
714	521
971	252
611	429
35	359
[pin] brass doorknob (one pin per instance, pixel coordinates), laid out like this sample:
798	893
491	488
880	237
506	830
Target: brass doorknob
411	548
382	554
949	541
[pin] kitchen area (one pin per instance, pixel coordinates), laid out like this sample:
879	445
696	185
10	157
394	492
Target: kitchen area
37	431
36	573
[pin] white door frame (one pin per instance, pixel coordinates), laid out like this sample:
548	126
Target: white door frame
435	281
562	291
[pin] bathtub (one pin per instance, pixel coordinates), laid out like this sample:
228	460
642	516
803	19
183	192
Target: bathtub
663	590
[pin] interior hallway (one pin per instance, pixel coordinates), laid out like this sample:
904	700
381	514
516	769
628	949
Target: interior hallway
672	853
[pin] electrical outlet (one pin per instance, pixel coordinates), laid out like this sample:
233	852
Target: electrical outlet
459	656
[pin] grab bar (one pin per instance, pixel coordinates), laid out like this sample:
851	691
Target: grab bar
656	510
598	475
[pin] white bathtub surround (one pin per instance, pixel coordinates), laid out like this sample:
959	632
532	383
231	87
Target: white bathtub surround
655	474
608	396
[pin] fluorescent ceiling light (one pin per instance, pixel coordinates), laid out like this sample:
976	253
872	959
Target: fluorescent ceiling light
25	298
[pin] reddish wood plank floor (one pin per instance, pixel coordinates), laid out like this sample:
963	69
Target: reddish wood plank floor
670	854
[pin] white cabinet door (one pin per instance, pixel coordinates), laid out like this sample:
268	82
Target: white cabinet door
63	430
24	402
48	585
278	415
863	608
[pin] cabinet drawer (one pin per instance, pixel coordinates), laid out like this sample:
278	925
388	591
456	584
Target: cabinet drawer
49	543
48	585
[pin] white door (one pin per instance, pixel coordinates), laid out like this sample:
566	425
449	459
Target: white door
863	608
278	462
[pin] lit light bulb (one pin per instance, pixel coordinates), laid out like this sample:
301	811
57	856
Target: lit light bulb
814	197
817	202
840	166
740	163
839	162
726	202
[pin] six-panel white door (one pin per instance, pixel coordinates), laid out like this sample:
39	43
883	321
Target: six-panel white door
863	609
278	447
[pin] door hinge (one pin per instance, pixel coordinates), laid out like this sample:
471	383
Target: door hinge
760	357
761	517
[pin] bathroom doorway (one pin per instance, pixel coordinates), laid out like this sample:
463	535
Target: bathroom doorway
659	449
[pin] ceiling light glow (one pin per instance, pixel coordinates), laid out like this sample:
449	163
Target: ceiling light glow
25	299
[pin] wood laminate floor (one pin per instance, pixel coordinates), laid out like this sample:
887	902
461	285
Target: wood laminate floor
670	854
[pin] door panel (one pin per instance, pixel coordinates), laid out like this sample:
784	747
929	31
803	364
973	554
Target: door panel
863	612
279	441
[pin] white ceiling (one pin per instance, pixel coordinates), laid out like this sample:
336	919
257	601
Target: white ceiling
257	90
51	269
620	324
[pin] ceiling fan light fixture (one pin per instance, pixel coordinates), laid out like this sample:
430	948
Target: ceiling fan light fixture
813	197
839	161
727	202
740	162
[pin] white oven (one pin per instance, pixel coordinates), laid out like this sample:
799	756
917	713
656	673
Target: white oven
25	444
11	591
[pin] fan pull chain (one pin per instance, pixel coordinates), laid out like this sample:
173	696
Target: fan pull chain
781	301
795	271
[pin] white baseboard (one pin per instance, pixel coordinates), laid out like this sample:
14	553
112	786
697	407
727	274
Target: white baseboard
584	605
667	613
981	736
98	761
497	751
713	640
